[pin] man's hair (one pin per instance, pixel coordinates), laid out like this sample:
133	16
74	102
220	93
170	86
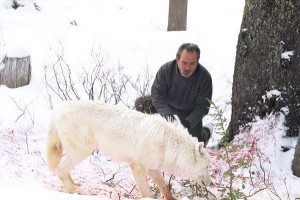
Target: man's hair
190	47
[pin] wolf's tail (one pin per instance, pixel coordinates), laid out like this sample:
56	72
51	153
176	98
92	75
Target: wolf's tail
53	148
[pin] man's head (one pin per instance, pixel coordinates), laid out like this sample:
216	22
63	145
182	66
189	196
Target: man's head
187	58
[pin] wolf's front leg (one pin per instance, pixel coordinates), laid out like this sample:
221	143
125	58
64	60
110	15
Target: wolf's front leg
159	180
76	184
67	182
140	176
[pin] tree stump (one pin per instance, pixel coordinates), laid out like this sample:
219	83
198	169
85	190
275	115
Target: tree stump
16	72
144	104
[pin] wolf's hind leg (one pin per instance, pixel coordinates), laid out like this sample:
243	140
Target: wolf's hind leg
159	180
140	176
63	171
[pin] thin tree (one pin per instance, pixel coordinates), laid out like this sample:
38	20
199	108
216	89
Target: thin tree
267	59
177	15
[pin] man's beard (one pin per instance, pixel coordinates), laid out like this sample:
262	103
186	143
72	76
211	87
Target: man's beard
186	75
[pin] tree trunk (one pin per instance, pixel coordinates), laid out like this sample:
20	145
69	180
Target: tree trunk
267	58
16	72
296	161
269	32
177	15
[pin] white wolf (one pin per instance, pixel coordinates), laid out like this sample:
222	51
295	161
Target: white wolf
148	143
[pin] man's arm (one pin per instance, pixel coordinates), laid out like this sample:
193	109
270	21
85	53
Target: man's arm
159	91
202	104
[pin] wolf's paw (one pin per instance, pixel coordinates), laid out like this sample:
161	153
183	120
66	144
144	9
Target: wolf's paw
74	190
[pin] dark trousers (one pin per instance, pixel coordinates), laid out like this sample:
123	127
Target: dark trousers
144	104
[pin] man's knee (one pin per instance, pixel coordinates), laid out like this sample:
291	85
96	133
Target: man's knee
202	133
196	131
206	134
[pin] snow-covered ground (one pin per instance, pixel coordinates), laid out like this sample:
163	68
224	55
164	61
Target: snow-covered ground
131	34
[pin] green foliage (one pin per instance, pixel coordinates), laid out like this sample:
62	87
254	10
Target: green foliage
221	123
232	182
234	164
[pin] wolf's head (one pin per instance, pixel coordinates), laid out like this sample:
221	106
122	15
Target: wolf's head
202	165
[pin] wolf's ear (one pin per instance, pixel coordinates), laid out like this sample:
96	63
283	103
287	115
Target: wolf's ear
199	147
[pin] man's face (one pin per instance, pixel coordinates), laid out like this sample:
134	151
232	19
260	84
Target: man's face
187	63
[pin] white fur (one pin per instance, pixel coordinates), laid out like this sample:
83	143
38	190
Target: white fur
148	143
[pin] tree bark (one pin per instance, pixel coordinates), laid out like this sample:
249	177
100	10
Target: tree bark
296	160
16	72
268	58
177	15
270	29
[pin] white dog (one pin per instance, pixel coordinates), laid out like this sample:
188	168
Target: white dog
148	143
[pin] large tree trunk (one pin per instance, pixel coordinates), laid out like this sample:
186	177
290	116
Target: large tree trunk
177	15
267	58
296	161
16	72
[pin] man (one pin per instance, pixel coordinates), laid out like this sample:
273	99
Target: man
183	87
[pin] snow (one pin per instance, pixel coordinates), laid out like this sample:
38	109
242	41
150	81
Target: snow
131	34
287	55
273	92
16	51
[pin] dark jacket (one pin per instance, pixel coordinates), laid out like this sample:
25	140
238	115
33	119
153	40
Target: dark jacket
171	91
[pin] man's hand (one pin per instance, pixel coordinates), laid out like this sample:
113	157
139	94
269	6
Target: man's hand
170	118
185	124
